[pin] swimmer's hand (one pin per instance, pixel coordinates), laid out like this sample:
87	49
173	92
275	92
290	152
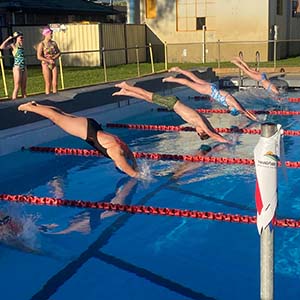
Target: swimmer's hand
251	115
144	172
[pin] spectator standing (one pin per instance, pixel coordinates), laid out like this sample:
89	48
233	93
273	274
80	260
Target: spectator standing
48	52
15	43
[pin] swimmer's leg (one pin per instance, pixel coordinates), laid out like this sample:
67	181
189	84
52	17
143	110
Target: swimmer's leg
245	68
73	125
132	91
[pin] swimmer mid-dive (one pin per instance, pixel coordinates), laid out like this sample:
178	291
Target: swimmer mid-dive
89	130
201	124
203	87
255	75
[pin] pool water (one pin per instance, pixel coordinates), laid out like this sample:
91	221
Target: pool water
71	253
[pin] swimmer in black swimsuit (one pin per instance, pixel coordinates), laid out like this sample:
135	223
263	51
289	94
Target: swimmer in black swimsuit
90	131
255	75
92	128
201	124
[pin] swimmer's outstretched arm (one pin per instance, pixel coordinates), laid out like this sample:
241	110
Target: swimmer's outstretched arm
232	102
118	157
197	120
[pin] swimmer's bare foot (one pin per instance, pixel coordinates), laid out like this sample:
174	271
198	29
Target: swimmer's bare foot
175	69
168	79
27	106
121	92
123	85
235	61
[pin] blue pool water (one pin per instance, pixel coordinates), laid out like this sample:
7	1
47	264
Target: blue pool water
91	255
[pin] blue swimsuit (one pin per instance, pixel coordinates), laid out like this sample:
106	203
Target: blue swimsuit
264	77
215	94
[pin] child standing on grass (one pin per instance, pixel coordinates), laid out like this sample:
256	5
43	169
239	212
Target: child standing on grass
48	52
15	43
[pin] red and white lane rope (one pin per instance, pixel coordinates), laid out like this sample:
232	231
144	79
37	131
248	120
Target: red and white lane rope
257	112
142	209
187	128
159	156
204	97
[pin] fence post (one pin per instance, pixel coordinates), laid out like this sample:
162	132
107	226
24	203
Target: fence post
219	54
166	55
104	64
257	60
3	75
61	73
204	44
275	45
266	154
137	60
241	73
151	58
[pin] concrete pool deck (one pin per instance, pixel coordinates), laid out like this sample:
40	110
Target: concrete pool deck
75	100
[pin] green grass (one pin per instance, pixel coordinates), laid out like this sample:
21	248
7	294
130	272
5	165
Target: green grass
85	76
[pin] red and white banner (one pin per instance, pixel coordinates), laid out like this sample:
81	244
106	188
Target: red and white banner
266	156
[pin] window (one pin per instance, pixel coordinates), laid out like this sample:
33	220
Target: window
279	7
190	15
200	22
150	9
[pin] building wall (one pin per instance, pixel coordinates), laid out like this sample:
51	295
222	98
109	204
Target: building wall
231	22
89	39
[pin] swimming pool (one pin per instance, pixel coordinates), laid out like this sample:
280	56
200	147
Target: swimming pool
125	256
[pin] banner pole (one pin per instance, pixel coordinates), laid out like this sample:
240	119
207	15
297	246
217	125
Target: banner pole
266	169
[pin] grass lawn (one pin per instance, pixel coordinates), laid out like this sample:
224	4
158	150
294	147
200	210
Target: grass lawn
84	76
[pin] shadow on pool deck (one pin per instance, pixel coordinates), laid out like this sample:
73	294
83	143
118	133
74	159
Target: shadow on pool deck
75	100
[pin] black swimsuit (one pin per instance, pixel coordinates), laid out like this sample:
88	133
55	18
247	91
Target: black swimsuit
92	129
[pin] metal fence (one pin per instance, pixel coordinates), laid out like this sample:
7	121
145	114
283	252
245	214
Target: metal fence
214	53
218	52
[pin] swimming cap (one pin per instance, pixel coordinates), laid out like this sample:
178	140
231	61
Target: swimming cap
203	136
234	112
206	148
46	31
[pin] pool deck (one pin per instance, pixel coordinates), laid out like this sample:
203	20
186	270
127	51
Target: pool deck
75	100
81	99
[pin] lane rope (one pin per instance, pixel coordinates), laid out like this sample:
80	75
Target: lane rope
188	128
158	156
142	209
205	97
226	111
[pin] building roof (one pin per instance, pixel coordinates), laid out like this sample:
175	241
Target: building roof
63	6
